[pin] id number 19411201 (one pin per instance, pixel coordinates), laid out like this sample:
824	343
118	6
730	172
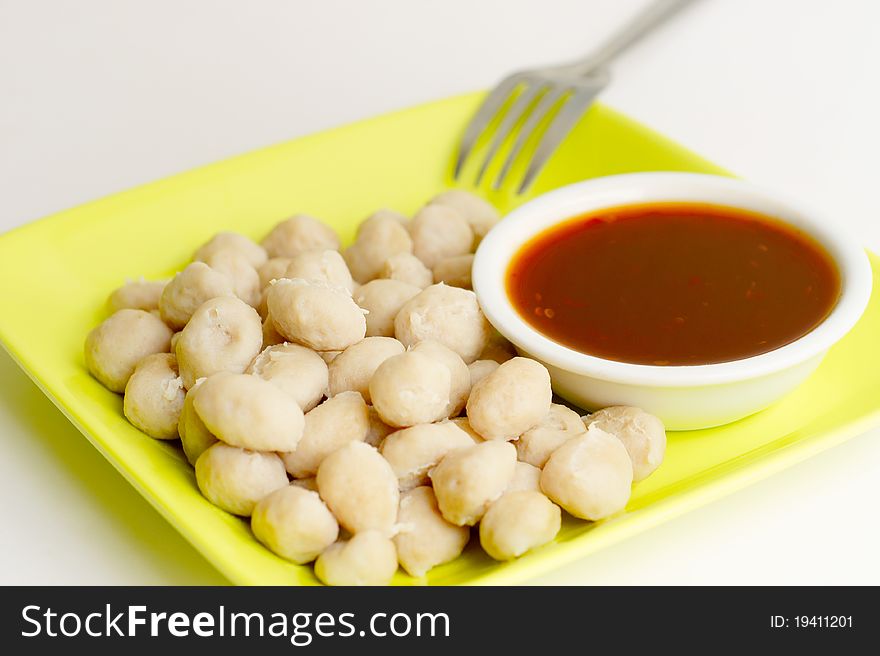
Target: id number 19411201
812	622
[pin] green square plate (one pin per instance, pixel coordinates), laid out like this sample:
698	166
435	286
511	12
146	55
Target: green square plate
58	272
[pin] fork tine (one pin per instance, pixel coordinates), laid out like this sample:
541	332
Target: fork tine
511	116
481	119
568	115
543	107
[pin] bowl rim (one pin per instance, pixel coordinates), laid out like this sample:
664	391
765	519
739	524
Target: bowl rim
504	240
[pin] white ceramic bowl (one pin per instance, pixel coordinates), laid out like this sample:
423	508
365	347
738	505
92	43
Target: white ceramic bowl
684	397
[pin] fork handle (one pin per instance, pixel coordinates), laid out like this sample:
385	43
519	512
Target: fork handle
633	30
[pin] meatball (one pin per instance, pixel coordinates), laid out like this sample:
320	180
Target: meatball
517	522
425	539
236	479
410	389
459	375
336	422
368	558
510	400
449	315
243	276
322	266
407	268
318	315
137	295
438	232
294	523
360	488
353	369
189	289
379	237
468	480
249	412
232	241
154	396
382	299
642	434
590	476
555	429
224	334
299	233
117	344
479	214
194	435
412	452
295	370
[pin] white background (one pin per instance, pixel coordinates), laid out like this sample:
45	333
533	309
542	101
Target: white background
98	96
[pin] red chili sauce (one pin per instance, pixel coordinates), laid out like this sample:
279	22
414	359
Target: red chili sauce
673	284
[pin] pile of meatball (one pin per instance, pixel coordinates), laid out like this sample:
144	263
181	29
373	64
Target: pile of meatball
355	404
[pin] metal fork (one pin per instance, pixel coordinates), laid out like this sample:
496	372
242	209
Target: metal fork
572	87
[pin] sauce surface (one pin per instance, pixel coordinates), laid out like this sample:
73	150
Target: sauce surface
673	284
